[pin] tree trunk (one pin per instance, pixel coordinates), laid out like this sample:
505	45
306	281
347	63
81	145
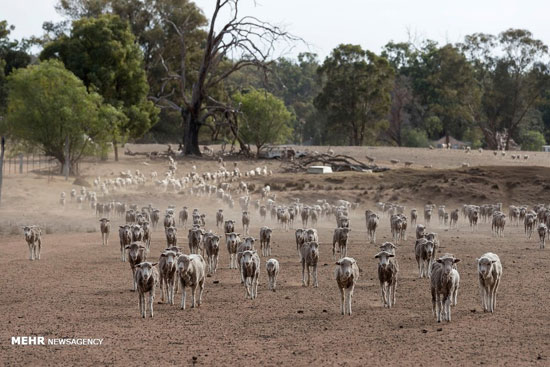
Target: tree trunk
191	133
447	139
115	148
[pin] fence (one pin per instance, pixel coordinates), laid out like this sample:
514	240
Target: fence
25	163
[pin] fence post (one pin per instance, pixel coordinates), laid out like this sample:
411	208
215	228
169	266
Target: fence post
21	163
1	166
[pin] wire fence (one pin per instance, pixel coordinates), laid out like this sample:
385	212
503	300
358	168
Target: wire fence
21	164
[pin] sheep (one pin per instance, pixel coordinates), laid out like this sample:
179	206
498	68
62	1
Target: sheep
347	275
444	282
263	212
105	228
219	218
305	216
265	240
394	161
300	239
183	216
167	269
229	226
195	238
529	223
542	230
246	245
441	213
388	247
424	250
409	163
420	231
498	223
309	258
62	199
155	217
212	249
473	217
125	236
372	224
272	268
33	236
490	272
454	219
137	253
465	165
250	272
341	238
171	236
146	277
388	270
232	241
526	157
427	215
146	234
169	221
414	216
191	273
137	233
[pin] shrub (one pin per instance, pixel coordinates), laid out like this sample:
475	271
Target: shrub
532	140
415	138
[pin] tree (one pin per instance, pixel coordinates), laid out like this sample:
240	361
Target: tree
265	119
453	94
401	97
102	52
13	55
47	105
532	140
356	94
237	44
513	75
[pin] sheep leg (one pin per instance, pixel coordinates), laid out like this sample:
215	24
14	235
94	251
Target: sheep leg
183	294
31	252
454	299
255	286
383	290
495	289
315	282
193	292
303	273
392	294
151	299
342	301
142	304
448	308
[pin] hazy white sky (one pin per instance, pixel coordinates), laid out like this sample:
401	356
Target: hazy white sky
326	23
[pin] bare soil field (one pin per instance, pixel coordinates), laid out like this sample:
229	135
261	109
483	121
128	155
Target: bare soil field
81	289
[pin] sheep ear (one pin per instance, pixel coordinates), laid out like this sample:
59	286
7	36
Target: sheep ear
127	247
154	264
494	261
338	262
456	260
163	254
377	256
391	255
439	261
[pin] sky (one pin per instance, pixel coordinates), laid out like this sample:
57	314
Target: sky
324	24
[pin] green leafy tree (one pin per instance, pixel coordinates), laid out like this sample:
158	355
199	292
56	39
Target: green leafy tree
514	78
532	140
452	92
47	105
265	119
355	95
103	53
12	55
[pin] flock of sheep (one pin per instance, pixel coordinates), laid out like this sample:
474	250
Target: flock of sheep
175	270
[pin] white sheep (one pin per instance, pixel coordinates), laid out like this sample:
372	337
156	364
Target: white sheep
146	277
444	281
347	274
490	271
191	273
272	268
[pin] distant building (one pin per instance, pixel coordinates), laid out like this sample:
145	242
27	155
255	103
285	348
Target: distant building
546	148
454	143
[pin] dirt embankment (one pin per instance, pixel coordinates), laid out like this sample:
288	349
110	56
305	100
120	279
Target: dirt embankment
488	184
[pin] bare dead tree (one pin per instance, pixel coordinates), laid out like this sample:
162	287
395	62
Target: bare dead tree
241	42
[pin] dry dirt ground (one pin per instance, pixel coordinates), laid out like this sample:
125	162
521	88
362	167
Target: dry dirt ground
81	289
